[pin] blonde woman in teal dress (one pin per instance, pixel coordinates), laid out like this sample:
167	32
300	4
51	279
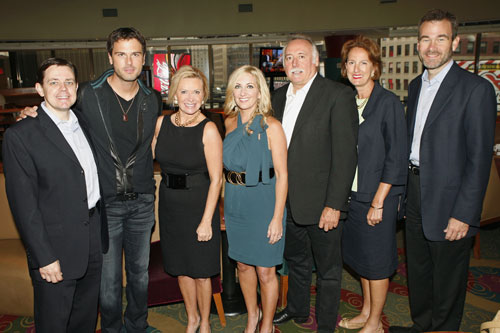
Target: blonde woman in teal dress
255	158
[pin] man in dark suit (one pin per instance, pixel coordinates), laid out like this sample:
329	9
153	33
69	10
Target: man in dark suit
451	124
321	125
53	191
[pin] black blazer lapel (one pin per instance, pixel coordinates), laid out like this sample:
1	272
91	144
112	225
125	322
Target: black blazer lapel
279	102
310	103
82	120
443	95
377	89
55	136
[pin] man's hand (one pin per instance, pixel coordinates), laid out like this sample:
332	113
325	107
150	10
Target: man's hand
456	229
52	272
28	112
329	219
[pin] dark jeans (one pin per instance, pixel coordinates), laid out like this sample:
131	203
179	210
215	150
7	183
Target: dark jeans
437	271
305	245
130	224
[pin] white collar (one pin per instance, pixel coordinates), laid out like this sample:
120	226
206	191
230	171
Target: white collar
439	77
304	90
72	122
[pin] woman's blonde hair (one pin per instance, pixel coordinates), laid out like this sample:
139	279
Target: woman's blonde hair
264	106
187	72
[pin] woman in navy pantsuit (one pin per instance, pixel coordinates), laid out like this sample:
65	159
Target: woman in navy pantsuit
369	240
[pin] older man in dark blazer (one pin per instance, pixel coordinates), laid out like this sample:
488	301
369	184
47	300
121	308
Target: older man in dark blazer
321	125
53	191
451	124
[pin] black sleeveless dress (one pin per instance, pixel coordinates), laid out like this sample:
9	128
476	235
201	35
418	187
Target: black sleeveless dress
180	151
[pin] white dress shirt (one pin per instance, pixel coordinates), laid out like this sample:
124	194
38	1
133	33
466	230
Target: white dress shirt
428	92
293	105
75	137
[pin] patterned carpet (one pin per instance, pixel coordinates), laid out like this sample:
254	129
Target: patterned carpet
482	302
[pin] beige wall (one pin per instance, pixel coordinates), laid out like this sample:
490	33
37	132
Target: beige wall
68	19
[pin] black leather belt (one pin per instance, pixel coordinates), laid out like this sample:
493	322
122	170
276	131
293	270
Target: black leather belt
238	178
183	182
414	169
127	196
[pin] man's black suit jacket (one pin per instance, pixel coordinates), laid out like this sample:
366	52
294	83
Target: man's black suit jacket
322	152
47	195
455	150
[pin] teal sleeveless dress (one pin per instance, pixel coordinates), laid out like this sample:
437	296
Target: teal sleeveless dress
248	209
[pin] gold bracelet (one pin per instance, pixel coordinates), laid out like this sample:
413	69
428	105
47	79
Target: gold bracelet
376	207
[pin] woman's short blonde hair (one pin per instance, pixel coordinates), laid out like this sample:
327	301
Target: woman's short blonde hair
187	72
264	106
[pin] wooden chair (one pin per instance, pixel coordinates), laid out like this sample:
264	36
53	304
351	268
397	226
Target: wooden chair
164	289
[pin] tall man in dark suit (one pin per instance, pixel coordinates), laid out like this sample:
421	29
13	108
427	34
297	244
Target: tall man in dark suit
321	125
53	191
451	124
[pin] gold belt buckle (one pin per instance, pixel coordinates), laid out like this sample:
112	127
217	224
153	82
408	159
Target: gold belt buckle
237	176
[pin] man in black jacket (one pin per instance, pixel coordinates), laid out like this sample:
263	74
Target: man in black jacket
321	126
53	191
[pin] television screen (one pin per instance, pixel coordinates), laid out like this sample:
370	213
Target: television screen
271	61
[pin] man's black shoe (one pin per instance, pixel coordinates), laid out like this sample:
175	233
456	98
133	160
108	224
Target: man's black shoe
401	329
283	316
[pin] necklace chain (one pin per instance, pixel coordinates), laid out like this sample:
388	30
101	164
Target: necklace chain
177	119
360	106
124	113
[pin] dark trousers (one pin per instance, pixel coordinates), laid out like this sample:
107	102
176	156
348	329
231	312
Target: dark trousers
304	246
72	304
437	271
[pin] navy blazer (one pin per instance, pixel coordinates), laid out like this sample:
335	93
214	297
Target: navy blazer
322	152
382	147
455	150
47	194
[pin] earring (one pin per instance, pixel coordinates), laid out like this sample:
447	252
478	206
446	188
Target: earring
176	101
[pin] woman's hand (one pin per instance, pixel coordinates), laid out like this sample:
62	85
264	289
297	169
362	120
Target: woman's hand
376	210
275	231
374	216
204	231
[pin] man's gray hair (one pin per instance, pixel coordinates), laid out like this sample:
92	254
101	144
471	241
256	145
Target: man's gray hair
315	53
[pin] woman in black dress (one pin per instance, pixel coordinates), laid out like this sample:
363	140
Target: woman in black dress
189	149
369	236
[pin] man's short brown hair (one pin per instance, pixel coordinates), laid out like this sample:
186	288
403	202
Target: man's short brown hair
440	15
